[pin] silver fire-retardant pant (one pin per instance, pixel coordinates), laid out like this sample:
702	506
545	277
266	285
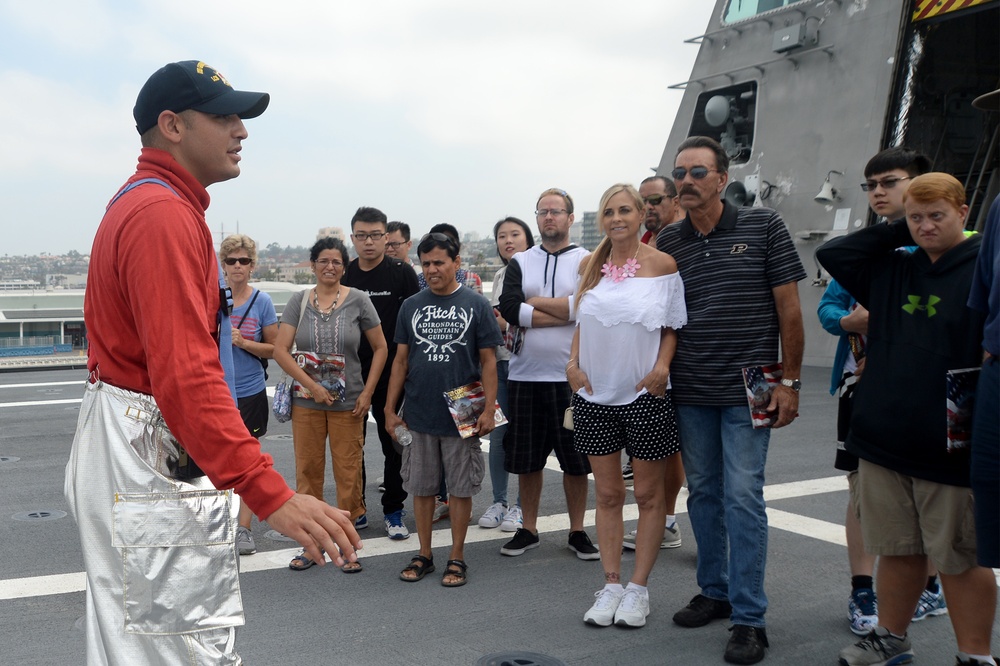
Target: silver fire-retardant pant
162	578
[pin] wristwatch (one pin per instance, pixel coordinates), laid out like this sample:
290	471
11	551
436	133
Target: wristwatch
793	384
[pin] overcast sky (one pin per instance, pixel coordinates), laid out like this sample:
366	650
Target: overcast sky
431	110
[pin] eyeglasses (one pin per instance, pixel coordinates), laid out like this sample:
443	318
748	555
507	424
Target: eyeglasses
243	261
323	263
696	172
555	212
362	237
654	200
395	245
886	183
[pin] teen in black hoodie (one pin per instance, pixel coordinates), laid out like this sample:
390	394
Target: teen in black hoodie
913	492
919	328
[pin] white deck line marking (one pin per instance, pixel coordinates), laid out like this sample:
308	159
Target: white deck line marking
829	484
74	401
805	526
81	384
36	403
38	586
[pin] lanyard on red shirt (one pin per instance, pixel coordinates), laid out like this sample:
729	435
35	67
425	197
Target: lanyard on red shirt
225	296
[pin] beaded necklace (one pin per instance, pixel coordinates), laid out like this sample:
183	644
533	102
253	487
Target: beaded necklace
626	271
325	314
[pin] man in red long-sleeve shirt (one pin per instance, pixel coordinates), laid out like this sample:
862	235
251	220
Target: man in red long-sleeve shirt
159	431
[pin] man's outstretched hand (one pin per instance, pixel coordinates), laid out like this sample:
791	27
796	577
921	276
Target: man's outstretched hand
317	525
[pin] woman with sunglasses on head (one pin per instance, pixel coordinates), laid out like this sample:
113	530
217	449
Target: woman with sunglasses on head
329	398
511	236
254	329
630	297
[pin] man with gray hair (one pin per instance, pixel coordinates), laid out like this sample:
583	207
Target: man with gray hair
740	272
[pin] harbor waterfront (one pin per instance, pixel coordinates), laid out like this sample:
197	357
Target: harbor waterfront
531	603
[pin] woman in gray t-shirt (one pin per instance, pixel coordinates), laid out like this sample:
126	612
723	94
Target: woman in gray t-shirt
329	398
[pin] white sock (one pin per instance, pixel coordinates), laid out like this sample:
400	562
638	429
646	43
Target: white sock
641	589
671	521
614	587
983	658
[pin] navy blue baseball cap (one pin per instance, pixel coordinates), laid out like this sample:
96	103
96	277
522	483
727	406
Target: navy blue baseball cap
191	84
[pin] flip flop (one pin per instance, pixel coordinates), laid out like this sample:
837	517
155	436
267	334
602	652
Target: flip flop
419	564
456	569
301	562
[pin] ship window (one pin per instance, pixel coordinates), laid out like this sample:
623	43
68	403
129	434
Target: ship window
728	115
740	10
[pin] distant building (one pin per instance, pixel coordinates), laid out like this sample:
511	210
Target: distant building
289	273
67	281
590	233
576	234
46	318
332	232
19	285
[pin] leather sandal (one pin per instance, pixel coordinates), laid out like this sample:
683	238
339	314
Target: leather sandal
350	567
419	564
457	570
301	562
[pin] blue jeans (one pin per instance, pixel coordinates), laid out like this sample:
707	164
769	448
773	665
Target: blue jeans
498	475
724	458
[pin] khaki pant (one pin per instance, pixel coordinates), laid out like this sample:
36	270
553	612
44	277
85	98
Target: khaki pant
903	515
310	430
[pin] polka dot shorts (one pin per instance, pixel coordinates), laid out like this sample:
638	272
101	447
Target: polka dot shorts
646	428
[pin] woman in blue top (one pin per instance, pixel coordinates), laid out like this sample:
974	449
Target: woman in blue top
254	329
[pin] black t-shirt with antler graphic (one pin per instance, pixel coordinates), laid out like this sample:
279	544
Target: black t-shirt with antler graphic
444	335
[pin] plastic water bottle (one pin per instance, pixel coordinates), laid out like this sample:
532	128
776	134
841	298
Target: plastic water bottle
403	436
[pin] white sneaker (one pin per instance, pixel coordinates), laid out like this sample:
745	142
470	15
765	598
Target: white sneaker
395	527
602	613
671	538
512	520
493	516
244	541
632	609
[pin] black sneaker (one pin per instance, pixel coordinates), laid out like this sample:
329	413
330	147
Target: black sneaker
584	548
523	540
746	644
702	610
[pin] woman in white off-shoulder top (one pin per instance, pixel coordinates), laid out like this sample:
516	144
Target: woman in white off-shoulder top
629	304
